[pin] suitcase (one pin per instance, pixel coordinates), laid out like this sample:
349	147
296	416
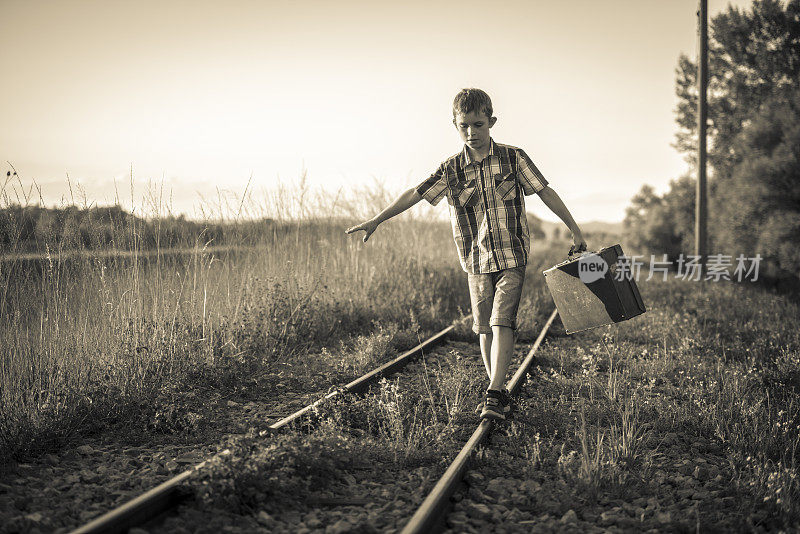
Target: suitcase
587	293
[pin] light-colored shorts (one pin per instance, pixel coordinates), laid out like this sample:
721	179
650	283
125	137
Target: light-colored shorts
495	298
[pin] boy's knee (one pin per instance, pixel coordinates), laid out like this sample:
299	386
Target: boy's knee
502	323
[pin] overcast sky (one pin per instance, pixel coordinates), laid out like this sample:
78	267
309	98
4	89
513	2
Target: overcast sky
203	94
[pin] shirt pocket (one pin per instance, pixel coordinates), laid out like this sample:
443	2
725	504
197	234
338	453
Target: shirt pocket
505	185
464	194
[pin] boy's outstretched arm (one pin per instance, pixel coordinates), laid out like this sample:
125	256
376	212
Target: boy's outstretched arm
556	205
401	204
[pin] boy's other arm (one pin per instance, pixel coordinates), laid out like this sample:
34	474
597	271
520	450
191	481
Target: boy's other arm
556	205
401	204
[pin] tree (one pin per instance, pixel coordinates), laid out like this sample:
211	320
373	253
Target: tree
760	210
754	140
643	205
751	55
662	224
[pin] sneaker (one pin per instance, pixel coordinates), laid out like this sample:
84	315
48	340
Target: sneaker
504	398
496	405
493	409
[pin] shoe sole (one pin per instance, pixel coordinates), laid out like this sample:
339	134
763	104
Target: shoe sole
506	409
493	416
506	413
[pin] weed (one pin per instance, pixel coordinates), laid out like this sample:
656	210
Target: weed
533	453
626	436
591	462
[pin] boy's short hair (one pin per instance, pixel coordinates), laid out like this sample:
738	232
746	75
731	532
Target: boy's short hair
472	100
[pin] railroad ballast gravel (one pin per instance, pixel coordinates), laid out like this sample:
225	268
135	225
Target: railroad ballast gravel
687	482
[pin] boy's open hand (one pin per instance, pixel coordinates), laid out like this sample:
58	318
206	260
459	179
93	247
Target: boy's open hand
368	227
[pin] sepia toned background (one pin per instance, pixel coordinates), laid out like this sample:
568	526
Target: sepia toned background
176	179
202	95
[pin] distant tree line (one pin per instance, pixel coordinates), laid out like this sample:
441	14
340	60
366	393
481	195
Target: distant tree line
33	228
754	145
36	228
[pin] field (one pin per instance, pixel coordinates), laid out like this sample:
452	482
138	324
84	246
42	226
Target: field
92	341
684	419
136	345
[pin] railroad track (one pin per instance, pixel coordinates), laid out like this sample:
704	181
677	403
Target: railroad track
165	497
430	516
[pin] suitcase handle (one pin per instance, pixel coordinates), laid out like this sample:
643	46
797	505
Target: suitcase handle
576	250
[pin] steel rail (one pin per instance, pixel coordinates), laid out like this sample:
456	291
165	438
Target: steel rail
429	517
362	383
167	495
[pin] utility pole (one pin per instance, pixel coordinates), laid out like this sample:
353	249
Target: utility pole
701	209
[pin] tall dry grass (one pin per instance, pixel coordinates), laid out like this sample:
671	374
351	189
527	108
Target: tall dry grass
91	340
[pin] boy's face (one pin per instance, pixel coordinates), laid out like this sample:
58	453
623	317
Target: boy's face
473	127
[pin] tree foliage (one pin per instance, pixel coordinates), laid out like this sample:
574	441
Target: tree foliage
662	224
38	229
753	143
751	56
759	207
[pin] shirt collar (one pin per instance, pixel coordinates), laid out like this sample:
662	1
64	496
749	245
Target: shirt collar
467	160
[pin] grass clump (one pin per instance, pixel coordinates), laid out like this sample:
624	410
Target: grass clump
414	419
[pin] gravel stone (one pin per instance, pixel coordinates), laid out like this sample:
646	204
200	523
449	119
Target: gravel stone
570	517
312	521
35	517
171	466
608	518
477	495
478	511
663	517
474	478
340	527
498	487
265	519
85	450
531	487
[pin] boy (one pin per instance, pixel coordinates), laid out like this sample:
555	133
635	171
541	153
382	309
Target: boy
484	185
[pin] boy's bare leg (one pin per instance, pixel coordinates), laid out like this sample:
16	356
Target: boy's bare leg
502	350
486	352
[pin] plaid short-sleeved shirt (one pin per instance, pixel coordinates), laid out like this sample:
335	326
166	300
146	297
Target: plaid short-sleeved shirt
487	206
